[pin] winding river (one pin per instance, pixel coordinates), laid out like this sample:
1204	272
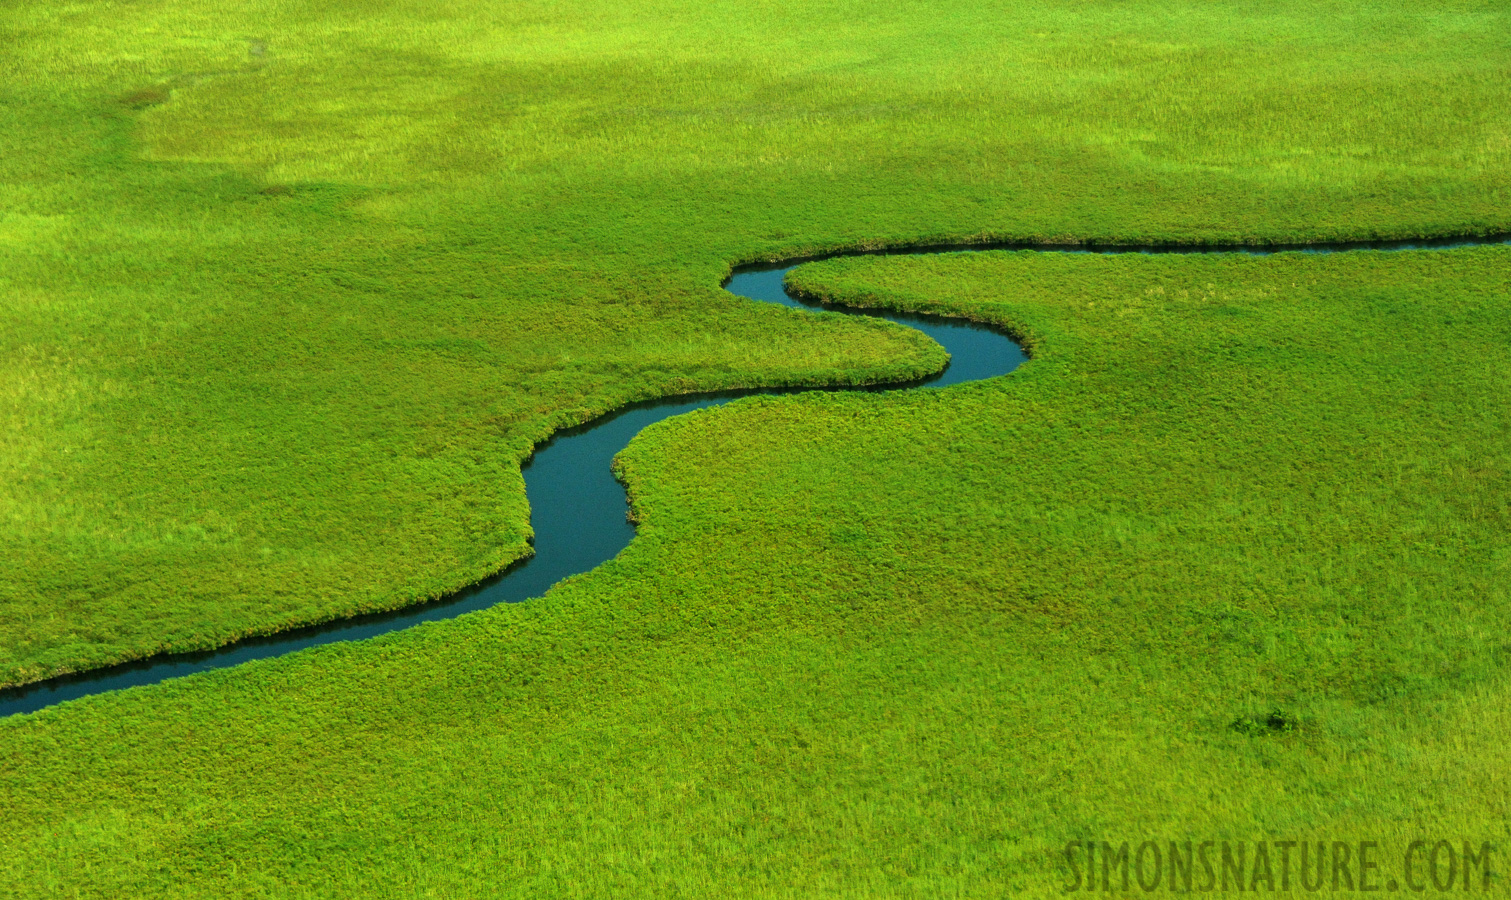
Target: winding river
578	509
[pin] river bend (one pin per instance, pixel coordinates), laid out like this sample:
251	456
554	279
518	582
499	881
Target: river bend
577	508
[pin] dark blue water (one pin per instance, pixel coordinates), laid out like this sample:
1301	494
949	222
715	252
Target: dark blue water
578	509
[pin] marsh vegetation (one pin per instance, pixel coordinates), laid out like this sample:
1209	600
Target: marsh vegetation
290	290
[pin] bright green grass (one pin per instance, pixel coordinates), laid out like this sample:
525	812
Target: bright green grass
907	644
287	290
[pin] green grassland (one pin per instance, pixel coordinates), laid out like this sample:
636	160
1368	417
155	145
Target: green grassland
291	288
907	644
288	290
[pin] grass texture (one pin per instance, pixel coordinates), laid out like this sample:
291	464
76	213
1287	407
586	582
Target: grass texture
908	644
289	289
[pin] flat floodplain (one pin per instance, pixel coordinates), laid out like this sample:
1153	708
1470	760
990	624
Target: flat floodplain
290	295
289	292
944	630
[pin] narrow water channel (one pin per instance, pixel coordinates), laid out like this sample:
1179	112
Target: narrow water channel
578	509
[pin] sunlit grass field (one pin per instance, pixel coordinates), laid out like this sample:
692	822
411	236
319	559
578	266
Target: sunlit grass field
908	644
288	290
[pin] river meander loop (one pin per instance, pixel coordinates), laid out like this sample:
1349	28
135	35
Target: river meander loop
578	509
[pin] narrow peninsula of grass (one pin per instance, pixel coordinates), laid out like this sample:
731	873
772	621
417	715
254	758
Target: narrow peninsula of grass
907	644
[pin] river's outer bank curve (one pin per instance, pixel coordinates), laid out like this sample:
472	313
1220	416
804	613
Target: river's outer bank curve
577	509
